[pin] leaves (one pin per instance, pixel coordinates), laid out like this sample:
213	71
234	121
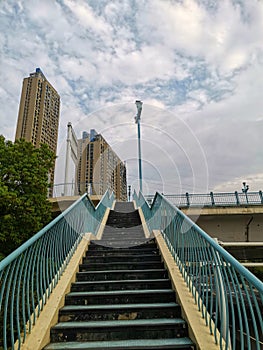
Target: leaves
24	208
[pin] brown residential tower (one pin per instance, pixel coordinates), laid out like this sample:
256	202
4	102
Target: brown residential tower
38	117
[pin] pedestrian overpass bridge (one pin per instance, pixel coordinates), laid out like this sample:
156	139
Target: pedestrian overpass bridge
127	276
229	217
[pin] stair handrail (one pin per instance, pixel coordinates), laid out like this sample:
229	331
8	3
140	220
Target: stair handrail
229	296
30	273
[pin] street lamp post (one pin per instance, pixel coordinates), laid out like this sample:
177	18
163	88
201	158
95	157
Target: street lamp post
137	121
129	193
245	189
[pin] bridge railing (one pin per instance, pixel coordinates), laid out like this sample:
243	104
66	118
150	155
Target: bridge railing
213	199
229	297
31	272
78	188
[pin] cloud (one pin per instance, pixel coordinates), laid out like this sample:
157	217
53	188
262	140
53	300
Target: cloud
255	182
87	18
197	62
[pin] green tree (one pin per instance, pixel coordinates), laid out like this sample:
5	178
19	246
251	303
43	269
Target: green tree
24	208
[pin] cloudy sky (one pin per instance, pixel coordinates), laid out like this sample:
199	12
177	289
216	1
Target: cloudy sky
197	65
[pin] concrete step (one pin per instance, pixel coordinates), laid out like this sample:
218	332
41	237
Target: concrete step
145	244
118	243
133	226
121	275
122	265
138	230
120	258
119	219
118	330
131	223
130	231
119	312
126	222
115	213
118	214
124	207
134	344
130	212
120	297
120	285
123	235
123	251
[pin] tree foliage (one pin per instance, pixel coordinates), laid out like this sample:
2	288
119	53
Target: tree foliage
24	208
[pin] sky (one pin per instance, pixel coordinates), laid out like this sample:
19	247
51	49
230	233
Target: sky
197	65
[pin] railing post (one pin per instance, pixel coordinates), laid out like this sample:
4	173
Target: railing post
237	198
221	297
187	199
212	198
261	196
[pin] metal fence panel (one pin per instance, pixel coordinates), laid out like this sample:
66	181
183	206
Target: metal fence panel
229	297
31	272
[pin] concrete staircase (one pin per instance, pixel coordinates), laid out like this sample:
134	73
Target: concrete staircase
122	298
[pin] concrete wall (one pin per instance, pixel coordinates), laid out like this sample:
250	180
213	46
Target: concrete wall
232	227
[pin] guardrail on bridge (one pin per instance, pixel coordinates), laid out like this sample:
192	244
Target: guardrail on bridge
213	199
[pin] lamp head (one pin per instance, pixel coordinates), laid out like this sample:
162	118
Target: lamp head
139	110
138	104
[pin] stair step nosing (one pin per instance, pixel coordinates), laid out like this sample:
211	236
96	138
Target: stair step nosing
142	239
124	271
148	253
138	250
114	263
121	292
120	323
119	306
133	242
122	262
147	344
117	260
159	280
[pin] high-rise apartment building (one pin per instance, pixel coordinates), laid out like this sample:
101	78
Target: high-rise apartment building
38	116
99	167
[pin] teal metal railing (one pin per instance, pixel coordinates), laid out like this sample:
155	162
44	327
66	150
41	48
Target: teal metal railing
229	296
31	272
213	199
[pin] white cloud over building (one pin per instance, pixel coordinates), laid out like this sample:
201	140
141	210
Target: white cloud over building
196	64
